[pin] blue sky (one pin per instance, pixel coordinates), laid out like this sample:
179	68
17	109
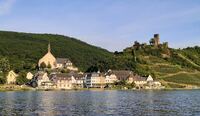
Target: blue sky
110	24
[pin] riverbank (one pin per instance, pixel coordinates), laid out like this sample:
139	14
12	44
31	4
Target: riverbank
4	88
15	88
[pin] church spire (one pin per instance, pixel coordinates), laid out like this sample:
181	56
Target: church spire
49	47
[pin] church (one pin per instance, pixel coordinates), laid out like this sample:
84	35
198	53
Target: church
56	63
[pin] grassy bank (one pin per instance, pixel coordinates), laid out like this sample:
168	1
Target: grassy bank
14	88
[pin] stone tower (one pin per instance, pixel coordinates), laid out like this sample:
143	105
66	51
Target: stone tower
156	40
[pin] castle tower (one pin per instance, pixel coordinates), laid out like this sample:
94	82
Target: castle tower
156	39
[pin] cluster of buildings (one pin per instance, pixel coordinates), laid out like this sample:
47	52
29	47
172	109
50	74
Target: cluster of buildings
49	61
108	79
76	80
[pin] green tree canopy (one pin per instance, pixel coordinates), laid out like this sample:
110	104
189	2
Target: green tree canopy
43	65
21	79
4	65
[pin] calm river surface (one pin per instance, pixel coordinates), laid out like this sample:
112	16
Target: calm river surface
100	103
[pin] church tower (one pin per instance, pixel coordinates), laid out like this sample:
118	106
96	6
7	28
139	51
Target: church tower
49	47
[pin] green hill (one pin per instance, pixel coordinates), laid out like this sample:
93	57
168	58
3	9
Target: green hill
174	67
171	66
25	49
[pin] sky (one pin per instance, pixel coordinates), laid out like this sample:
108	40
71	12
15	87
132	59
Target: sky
110	24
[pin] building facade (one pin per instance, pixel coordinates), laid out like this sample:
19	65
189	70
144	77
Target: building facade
11	77
48	59
68	80
95	80
55	63
29	75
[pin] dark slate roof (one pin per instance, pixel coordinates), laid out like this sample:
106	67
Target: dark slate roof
69	75
63	60
94	74
137	78
62	76
121	74
76	75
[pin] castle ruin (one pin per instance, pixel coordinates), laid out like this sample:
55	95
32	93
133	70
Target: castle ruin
155	41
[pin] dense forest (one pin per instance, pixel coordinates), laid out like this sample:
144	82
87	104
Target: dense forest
25	49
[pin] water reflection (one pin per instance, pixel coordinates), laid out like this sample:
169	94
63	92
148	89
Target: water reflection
98	103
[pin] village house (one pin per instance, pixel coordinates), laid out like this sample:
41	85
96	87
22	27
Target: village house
77	80
29	75
99	80
151	84
143	82
67	80
63	81
95	80
56	63
124	75
137	80
11	77
111	78
42	81
65	63
121	75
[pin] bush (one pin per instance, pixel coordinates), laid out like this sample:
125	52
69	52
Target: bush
21	79
2	80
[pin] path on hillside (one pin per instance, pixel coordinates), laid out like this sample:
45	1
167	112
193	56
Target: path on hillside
181	84
188	60
180	72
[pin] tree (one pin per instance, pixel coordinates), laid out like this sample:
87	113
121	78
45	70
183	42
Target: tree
152	41
136	45
49	66
2	80
4	65
21	79
43	65
5	68
134	55
92	69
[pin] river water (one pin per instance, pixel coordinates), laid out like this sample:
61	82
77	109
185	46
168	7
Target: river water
100	103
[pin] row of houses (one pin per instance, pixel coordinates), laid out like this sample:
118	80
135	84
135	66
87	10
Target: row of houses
71	80
101	80
75	80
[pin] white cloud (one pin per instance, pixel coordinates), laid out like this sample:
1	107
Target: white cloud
6	6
